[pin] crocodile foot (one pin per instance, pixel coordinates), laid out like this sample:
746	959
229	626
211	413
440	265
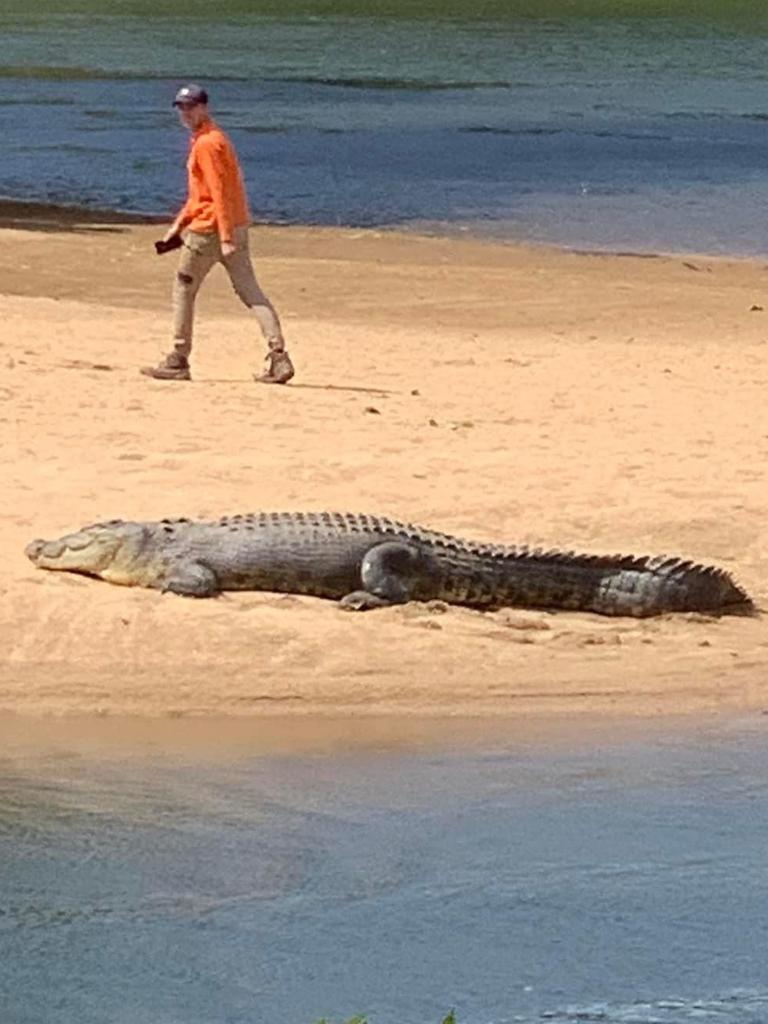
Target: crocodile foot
362	601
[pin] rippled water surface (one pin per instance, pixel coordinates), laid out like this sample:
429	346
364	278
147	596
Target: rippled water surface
198	875
605	123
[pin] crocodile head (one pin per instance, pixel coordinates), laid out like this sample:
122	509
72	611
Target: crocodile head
96	550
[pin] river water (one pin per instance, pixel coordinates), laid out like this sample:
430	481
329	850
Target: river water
609	124
203	875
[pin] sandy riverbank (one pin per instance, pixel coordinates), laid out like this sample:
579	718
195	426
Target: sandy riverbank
603	403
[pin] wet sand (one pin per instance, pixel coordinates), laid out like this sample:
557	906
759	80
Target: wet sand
513	394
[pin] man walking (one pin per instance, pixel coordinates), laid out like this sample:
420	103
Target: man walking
212	227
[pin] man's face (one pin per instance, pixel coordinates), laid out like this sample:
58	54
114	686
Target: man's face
192	115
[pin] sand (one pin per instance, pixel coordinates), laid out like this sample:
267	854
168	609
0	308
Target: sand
605	403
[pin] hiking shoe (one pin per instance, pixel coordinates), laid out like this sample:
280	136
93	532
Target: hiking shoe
279	369
173	367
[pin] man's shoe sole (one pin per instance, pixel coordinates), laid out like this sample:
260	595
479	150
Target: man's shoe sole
266	378
157	374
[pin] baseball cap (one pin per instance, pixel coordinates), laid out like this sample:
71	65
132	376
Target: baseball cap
190	95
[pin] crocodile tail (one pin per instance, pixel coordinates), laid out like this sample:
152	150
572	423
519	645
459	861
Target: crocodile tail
654	585
618	584
700	587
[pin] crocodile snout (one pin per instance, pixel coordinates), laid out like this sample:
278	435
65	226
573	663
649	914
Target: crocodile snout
37	550
34	549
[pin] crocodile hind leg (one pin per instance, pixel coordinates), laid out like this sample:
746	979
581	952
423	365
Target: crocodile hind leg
389	574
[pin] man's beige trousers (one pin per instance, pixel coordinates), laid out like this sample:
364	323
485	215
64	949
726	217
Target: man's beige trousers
199	254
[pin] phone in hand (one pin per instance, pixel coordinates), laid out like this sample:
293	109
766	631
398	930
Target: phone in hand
167	245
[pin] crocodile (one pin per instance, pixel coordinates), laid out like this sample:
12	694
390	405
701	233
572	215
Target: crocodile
366	562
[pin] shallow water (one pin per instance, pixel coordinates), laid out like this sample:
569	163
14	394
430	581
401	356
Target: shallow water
619	124
221	878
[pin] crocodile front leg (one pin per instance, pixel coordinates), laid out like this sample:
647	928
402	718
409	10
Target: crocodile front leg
191	579
389	574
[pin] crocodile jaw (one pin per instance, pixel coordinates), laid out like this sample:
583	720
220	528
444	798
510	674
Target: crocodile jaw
82	552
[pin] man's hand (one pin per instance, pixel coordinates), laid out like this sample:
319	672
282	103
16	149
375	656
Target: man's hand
227	249
172	231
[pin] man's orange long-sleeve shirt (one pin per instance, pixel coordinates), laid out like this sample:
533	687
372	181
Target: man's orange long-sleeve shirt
217	200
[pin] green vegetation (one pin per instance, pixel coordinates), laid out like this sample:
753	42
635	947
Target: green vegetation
459	9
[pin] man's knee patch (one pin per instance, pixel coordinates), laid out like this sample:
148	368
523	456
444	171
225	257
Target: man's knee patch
183	278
